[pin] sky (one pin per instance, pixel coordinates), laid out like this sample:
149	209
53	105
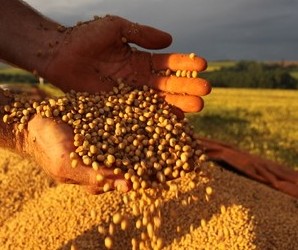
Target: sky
215	29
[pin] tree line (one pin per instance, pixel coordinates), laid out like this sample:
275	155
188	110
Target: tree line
251	74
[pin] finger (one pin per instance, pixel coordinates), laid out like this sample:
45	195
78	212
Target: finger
93	190
98	189
145	36
182	85
84	175
178	62
186	103
178	112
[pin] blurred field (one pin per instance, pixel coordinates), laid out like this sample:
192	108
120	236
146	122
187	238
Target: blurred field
217	65
4	69
261	121
294	74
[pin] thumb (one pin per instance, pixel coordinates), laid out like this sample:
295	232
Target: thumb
145	36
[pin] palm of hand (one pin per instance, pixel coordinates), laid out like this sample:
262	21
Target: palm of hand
51	142
93	56
91	53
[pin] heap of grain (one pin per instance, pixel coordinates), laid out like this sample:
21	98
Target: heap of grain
239	214
135	133
132	131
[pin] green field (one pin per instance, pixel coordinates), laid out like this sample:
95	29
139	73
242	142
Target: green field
217	65
5	69
294	74
263	122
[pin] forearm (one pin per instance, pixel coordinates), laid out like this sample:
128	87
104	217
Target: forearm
27	39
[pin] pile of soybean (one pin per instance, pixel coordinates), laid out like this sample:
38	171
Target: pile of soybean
179	200
239	214
132	131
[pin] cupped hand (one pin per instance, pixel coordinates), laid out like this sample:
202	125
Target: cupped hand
50	143
263	170
92	56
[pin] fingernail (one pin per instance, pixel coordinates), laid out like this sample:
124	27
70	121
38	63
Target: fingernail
122	186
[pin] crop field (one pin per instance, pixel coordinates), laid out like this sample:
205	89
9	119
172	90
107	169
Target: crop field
11	70
294	74
217	65
264	122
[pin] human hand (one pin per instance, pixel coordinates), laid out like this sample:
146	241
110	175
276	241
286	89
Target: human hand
92	56
257	168
50	142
